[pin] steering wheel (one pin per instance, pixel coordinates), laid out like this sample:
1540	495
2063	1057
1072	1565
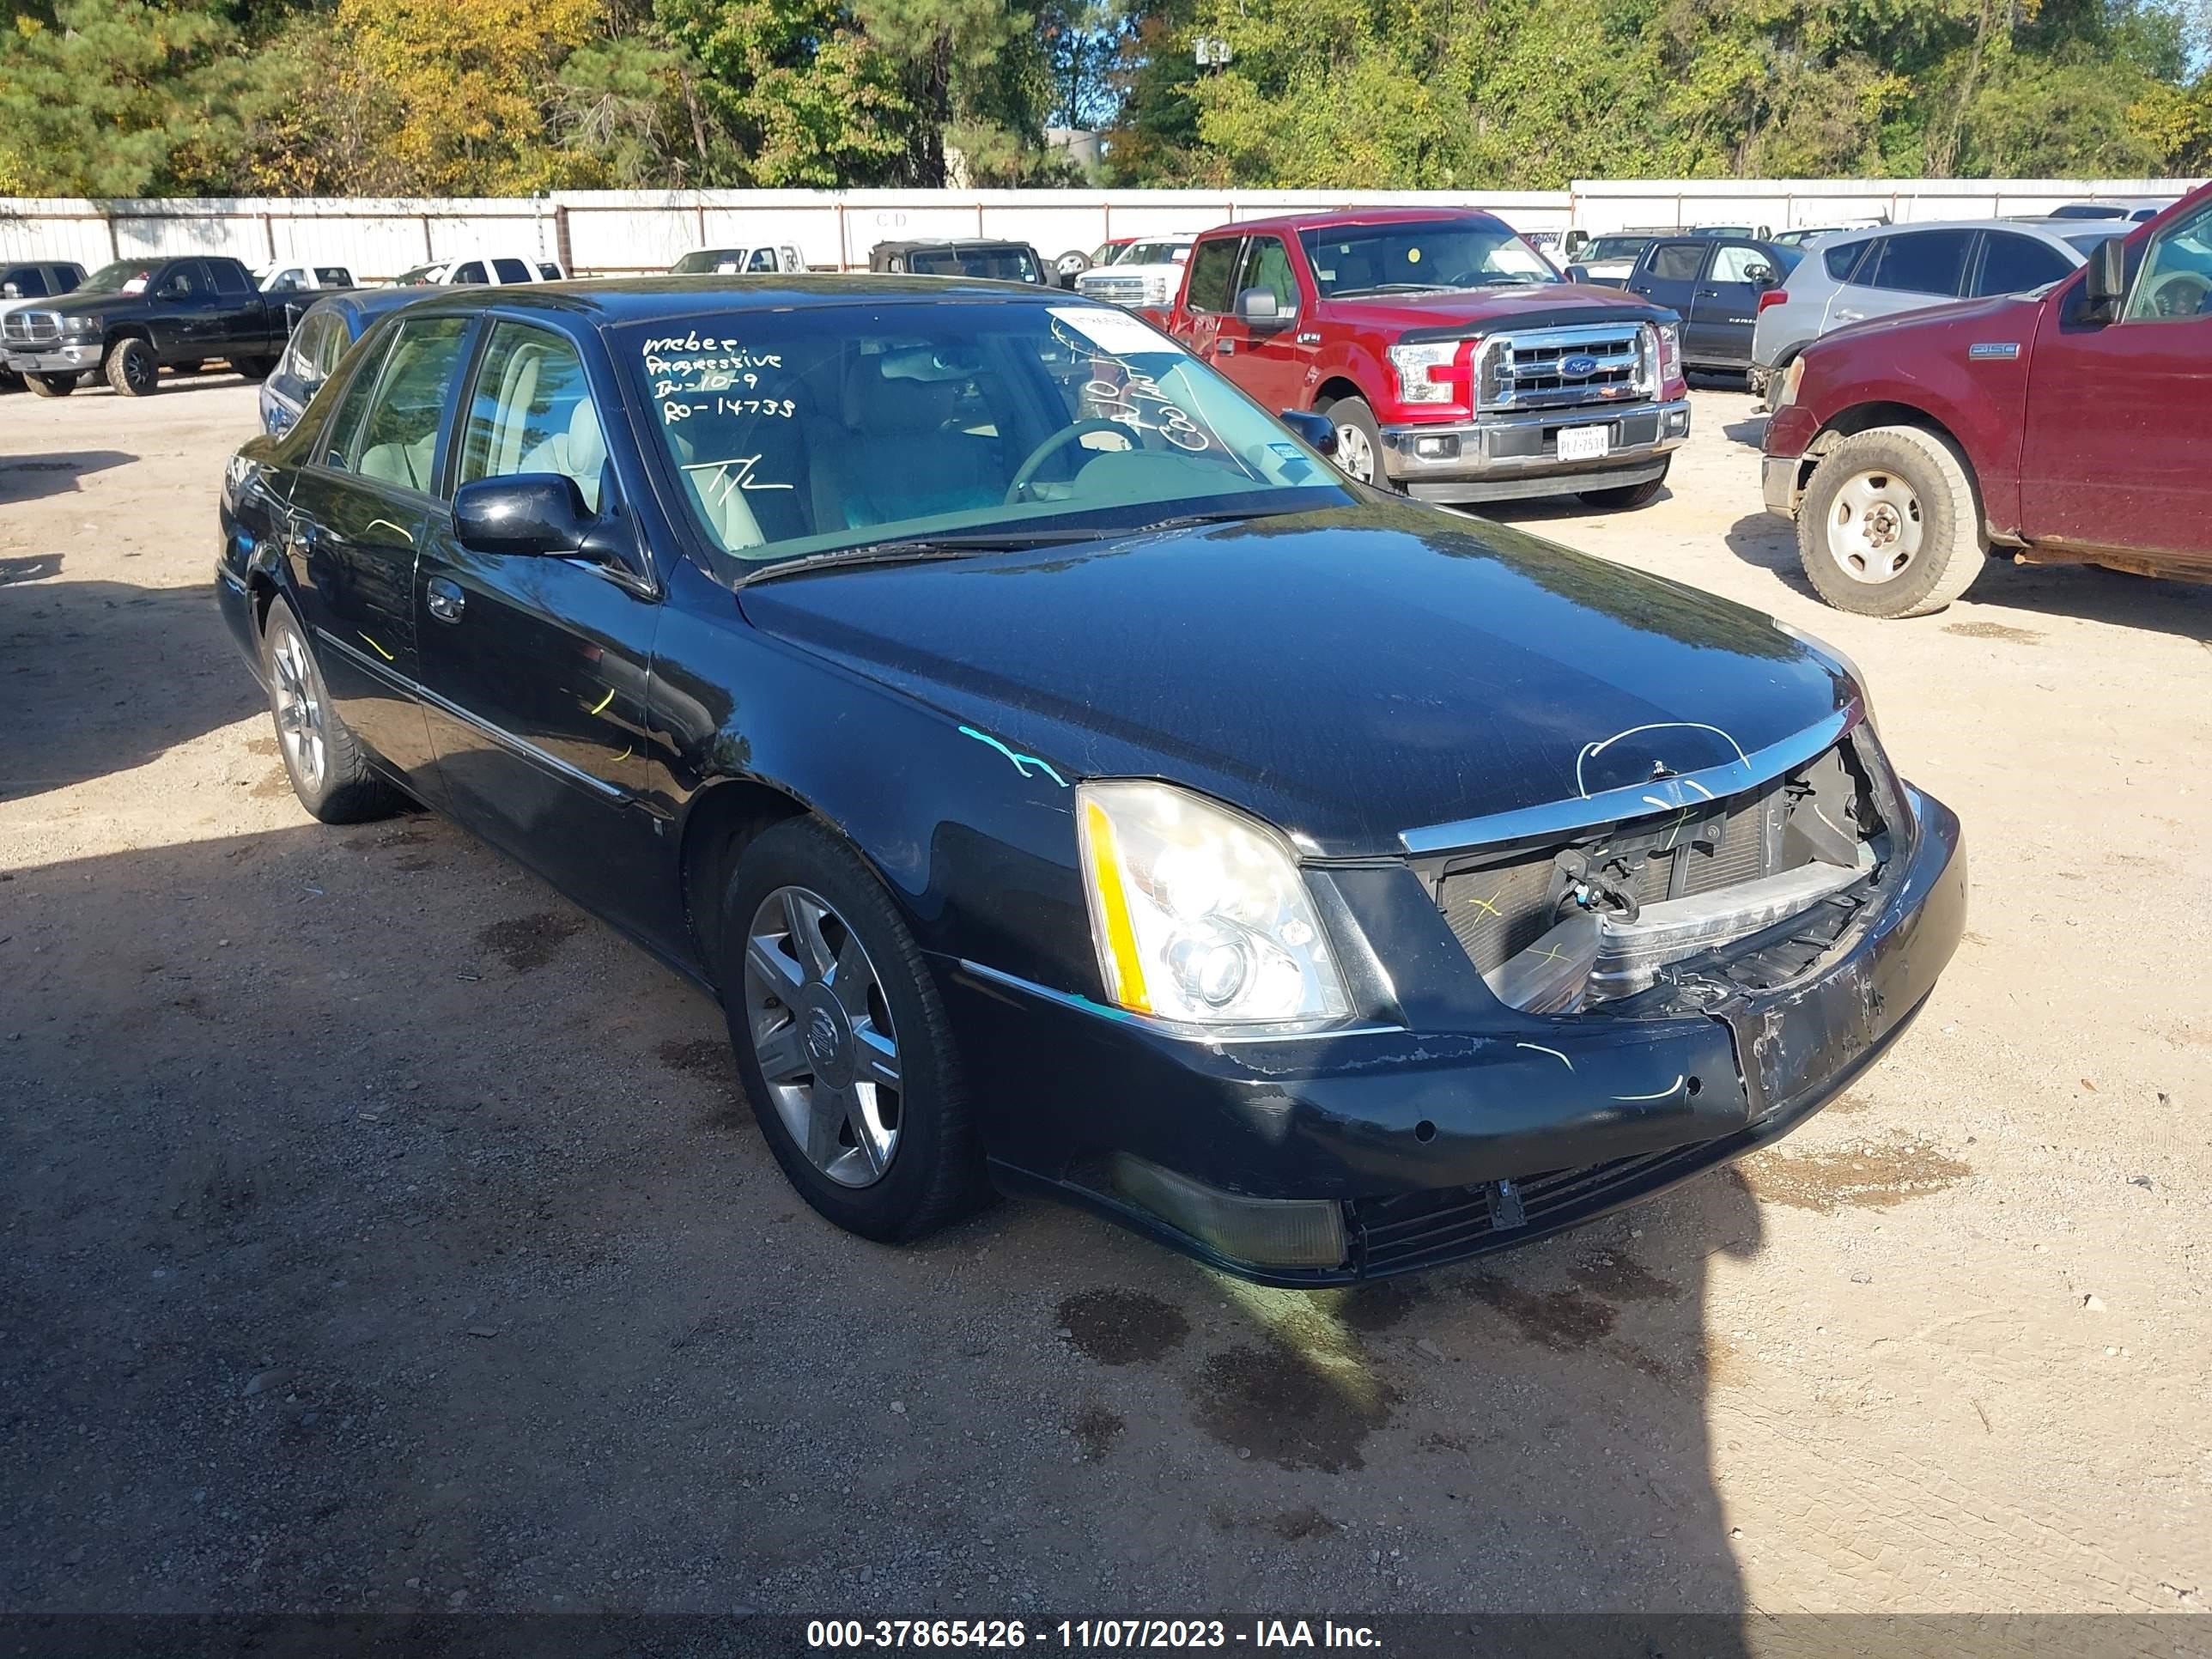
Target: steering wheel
1026	473
2179	294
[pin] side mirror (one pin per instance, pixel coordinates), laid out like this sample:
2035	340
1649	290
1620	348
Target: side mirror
9	291
1761	275
2107	284
1573	243
1578	273
525	514
1317	430
1256	307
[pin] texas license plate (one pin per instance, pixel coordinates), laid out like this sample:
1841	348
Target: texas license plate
1584	443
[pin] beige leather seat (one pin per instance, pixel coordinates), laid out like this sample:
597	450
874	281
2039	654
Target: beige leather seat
578	453
896	459
406	465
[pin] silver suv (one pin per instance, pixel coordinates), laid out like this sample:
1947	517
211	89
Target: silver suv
1853	275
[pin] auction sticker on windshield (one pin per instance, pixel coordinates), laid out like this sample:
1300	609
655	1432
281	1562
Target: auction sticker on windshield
1117	332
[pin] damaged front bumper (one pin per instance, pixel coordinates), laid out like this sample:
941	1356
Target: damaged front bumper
1406	1148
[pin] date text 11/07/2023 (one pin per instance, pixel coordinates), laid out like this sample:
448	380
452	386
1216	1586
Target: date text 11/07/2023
1087	1635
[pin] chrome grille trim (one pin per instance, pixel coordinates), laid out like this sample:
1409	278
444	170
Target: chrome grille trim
1523	369
1636	800
31	328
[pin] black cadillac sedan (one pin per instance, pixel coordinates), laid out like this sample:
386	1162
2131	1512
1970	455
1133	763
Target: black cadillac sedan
1068	781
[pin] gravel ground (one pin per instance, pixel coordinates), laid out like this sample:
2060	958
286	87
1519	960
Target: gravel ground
383	1233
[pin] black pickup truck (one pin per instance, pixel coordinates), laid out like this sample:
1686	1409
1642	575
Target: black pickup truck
133	318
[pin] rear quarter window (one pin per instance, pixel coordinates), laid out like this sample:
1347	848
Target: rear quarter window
1840	261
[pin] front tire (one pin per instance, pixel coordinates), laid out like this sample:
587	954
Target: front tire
1889	526
842	1040
10	381
133	369
51	386
1626	497
1360	444
329	769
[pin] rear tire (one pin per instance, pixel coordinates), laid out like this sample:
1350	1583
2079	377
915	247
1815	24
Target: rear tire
1890	525
255	368
1626	497
51	386
133	369
329	769
1360	444
923	1163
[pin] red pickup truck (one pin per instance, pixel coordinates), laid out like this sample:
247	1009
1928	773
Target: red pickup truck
1456	364
2068	426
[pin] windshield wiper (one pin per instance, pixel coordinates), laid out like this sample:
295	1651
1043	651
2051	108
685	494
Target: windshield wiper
1389	288
919	550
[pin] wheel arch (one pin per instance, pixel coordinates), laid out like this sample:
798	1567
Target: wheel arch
1337	388
1865	416
721	820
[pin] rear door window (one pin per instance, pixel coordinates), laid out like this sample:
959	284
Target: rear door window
1678	262
511	271
473	271
393	438
230	276
763	260
333	276
1920	262
2013	263
1213	273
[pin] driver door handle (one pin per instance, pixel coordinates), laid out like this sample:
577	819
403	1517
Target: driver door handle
445	599
1224	347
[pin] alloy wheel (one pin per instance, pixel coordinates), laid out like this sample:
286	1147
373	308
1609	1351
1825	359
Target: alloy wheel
1354	453
822	1031
1875	526
298	710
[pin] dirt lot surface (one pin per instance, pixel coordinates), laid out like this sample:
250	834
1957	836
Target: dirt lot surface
382	1233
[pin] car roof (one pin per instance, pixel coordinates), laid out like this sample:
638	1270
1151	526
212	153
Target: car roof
953	242
363	306
2035	227
610	304
1326	220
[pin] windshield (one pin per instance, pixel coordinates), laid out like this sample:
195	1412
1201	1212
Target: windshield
833	428
1015	265
1156	253
1447	253
1607	249
124	276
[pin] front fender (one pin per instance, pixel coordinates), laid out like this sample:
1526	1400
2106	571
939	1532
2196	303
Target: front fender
975	839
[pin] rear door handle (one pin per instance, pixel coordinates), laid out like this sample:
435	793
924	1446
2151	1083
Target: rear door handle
1709	294
1851	316
446	599
1224	348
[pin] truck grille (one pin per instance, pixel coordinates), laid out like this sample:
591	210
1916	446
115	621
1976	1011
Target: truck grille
31	329
1803	834
1567	368
1117	290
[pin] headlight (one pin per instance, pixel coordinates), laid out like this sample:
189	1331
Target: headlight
1417	364
1670	352
1785	389
78	328
1199	914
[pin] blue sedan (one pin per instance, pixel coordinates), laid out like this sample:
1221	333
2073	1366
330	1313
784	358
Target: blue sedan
325	332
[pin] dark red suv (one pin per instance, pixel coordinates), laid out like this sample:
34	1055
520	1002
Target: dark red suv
1457	362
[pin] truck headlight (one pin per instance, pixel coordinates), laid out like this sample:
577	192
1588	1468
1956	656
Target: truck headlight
1784	390
1669	336
1418	365
80	328
1199	914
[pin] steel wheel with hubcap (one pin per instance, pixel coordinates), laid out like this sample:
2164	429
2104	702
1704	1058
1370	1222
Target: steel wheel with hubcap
1890	525
842	1040
823	1036
1875	524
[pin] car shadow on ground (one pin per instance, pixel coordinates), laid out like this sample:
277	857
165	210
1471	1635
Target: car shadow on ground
102	676
403	1235
27	477
2089	592
1750	432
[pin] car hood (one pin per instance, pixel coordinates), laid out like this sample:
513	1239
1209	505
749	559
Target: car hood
1345	674
1540	306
